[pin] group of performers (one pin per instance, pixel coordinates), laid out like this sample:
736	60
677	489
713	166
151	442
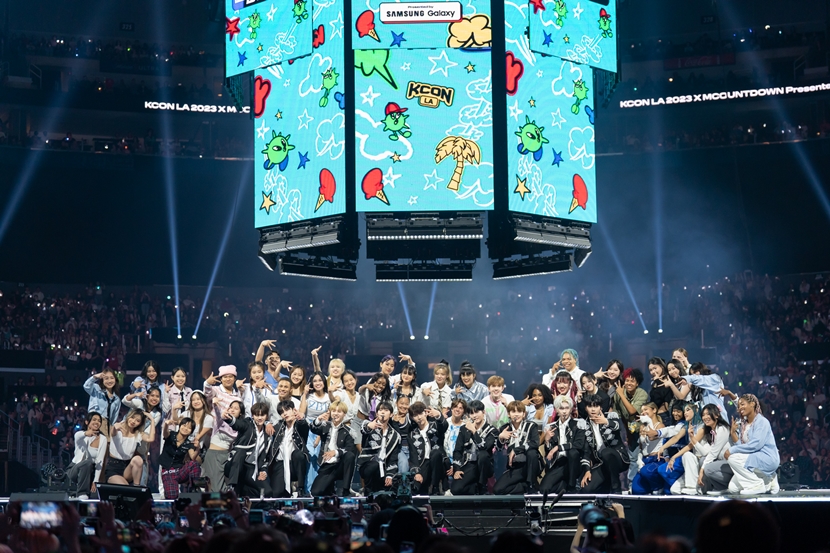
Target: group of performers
281	433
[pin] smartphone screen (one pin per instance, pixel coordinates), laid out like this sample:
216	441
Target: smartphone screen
89	531
350	503
214	500
183	522
256	516
40	515
358	533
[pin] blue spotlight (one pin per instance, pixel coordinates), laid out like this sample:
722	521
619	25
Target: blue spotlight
431	303
812	178
171	224
617	262
32	161
221	253
406	311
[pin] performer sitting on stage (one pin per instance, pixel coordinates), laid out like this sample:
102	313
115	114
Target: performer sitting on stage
605	453
564	445
287	459
648	478
246	470
521	439
378	460
178	457
473	455
754	461
426	448
707	444
671	475
337	451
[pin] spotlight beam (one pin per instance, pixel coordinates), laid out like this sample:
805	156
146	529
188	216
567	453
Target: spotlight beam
221	253
431	303
405	309
618	263
657	191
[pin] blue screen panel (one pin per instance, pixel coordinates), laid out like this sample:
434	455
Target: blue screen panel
300	135
423	130
578	30
260	33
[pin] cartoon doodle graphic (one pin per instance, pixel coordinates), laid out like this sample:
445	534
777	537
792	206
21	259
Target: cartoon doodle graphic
580	93
231	27
561	11
521	187
277	152
318	36
372	185
605	23
262	89
374	61
254	23
538	5
462	151
267	203
557	157
340	98
397	39
471	32
531	138
365	25
430	95
300	10
589	111
580	194
515	70
474	117
327	188
329	82
395	121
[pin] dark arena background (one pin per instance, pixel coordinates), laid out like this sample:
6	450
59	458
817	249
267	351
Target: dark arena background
342	275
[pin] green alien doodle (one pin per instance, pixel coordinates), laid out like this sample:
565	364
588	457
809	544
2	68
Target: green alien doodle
395	121
254	23
561	11
580	93
531	138
277	152
300	10
329	82
605	23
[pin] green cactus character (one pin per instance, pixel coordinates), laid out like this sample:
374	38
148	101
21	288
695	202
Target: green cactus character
329	82
580	93
300	10
395	121
254	23
531	138
561	11
277	152
605	23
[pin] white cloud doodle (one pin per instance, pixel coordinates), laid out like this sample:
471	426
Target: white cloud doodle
361	120
579	148
328	139
564	83
317	65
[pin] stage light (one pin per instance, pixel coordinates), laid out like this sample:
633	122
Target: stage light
194	336
179	336
431	304
613	251
426	337
405	310
411	336
659	331
645	331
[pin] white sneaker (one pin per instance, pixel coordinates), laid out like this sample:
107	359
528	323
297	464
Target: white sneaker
774	488
83	497
689	491
717	493
757	490
448	492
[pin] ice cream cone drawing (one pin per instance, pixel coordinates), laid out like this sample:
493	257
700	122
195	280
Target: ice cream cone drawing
365	25
462	151
580	194
327	188
372	185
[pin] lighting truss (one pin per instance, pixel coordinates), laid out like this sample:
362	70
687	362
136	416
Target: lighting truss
315	267
533	266
425	226
424	271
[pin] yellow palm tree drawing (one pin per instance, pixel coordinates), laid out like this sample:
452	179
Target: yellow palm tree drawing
462	151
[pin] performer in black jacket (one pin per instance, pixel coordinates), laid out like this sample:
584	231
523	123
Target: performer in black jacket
605	454
473	454
378	460
521	439
564	445
426	448
337	451
288	458
244	470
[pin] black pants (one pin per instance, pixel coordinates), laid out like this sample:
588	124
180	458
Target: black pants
563	473
470	481
82	474
612	466
485	468
432	471
248	484
512	482
299	469
328	473
372	480
598	483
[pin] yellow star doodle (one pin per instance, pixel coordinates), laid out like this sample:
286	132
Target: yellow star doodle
267	203
396	157
259	48
567	39
521	187
470	67
532	103
278	115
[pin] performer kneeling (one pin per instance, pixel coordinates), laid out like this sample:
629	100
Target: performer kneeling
338	452
564	444
288	457
246	470
521	439
426	448
473	455
378	460
605	455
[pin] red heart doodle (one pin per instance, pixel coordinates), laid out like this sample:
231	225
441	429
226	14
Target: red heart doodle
262	88
318	37
515	70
